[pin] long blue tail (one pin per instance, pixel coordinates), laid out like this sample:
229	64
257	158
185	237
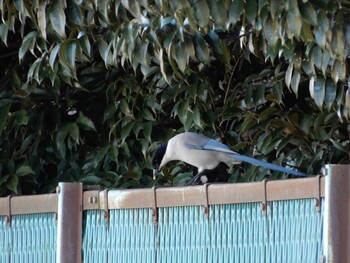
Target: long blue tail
214	145
271	166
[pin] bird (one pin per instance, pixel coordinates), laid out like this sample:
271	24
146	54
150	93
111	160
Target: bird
205	154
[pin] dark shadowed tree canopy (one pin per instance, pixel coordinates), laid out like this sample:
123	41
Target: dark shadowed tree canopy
88	89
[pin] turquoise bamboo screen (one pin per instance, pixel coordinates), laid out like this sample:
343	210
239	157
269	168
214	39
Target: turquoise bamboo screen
289	231
31	239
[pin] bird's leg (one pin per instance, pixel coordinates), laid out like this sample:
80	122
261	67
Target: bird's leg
194	179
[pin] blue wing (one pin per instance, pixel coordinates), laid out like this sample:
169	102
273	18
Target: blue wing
213	145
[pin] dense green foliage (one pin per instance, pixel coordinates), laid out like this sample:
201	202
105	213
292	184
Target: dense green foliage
90	88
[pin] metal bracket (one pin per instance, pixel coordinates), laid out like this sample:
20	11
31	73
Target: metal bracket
105	205
263	204
206	200
154	207
318	193
58	190
8	216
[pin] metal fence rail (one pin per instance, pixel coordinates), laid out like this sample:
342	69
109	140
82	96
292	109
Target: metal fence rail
299	220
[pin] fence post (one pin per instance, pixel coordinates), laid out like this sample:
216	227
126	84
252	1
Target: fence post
337	214
69	225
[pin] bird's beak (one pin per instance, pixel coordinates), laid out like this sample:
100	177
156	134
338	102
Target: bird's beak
155	171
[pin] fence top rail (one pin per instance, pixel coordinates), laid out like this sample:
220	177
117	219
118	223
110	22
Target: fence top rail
28	204
211	194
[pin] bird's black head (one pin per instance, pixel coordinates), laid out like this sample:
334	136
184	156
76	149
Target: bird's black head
158	157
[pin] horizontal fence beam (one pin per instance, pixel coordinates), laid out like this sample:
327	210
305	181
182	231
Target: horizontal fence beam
28	204
211	194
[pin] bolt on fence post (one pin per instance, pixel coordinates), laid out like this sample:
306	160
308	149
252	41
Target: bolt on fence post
336	231
69	223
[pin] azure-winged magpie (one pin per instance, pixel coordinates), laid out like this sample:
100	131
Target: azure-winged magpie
205	154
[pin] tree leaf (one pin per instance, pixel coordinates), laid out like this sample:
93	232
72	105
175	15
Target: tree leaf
338	71
316	57
147	115
12	183
27	44
100	155
323	21
320	37
74	13
147	130
105	51
162	65
60	139
311	86
22	10
24	170
190	48
251	9
338	146
347	102
4	111
74	132
91	179
126	130
144	146
235	10
215	42
197	116
319	92
248	94
58	17
289	73
309	14
53	55
70	55
274	6
288	50
201	13
271	31
3	33
22	117
202	51
3	178
181	57
306	33
338	43
15	80
325	61
85	123
330	93
218	12
41	17
133	7
294	24
295	82
84	43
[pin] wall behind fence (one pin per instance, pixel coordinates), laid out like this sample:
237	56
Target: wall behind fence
274	221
